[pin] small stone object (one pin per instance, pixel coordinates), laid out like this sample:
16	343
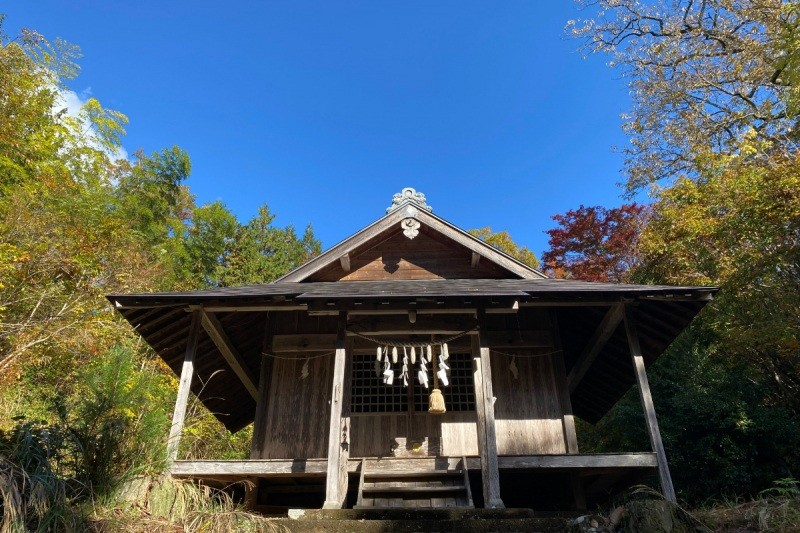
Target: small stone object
296	514
588	524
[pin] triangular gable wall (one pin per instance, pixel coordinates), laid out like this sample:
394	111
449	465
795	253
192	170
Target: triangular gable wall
411	243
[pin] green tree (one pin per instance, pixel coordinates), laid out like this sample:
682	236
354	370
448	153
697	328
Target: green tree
31	70
702	76
722	434
738	226
261	252
502	241
207	240
151	195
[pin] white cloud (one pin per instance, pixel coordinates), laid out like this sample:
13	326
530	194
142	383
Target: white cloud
72	102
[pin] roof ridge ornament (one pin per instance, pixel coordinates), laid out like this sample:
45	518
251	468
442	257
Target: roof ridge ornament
409	195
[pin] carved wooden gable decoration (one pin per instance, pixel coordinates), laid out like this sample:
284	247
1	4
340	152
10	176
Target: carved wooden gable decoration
410	242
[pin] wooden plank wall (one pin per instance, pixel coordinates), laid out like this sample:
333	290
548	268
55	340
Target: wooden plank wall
394	435
528	417
527	410
297	411
424	257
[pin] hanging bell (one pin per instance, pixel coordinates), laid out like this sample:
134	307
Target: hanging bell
436	403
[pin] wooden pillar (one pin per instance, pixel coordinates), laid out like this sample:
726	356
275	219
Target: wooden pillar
257	450
649	410
564	398
484	407
264	380
565	401
339	431
184	386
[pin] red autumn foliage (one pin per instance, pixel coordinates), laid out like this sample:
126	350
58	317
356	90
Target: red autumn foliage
595	243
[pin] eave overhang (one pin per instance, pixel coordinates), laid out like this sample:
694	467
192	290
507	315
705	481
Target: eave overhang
162	319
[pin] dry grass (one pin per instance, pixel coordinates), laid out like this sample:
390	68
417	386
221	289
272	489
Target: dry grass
773	515
163	504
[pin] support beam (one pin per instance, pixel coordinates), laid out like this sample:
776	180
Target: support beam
284	468
339	431
476	259
599	339
400	304
345	262
184	386
484	407
257	450
499	340
649	409
303	343
565	400
217	334
253	308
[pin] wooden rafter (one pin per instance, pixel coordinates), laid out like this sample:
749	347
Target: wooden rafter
599	339
217	334
344	260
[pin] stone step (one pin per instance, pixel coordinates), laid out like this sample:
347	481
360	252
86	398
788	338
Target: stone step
415	514
472	525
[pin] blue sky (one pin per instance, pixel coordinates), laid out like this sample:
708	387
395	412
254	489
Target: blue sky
325	109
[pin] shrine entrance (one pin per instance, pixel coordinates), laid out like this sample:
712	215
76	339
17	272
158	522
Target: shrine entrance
393	419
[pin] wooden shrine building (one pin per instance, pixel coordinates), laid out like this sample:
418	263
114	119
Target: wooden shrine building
335	365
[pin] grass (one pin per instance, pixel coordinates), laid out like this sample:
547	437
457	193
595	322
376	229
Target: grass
776	510
165	505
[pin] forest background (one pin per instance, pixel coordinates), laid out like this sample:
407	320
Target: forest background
714	142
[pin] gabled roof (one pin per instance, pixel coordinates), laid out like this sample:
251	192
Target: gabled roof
309	297
412	211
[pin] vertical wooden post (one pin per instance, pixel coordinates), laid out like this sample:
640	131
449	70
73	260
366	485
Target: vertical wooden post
264	379
565	401
184	386
339	431
649	408
257	450
484	407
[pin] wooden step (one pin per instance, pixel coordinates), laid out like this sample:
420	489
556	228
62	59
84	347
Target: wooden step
412	475
414	490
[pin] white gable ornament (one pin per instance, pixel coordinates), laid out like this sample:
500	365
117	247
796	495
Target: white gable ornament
410	227
409	195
